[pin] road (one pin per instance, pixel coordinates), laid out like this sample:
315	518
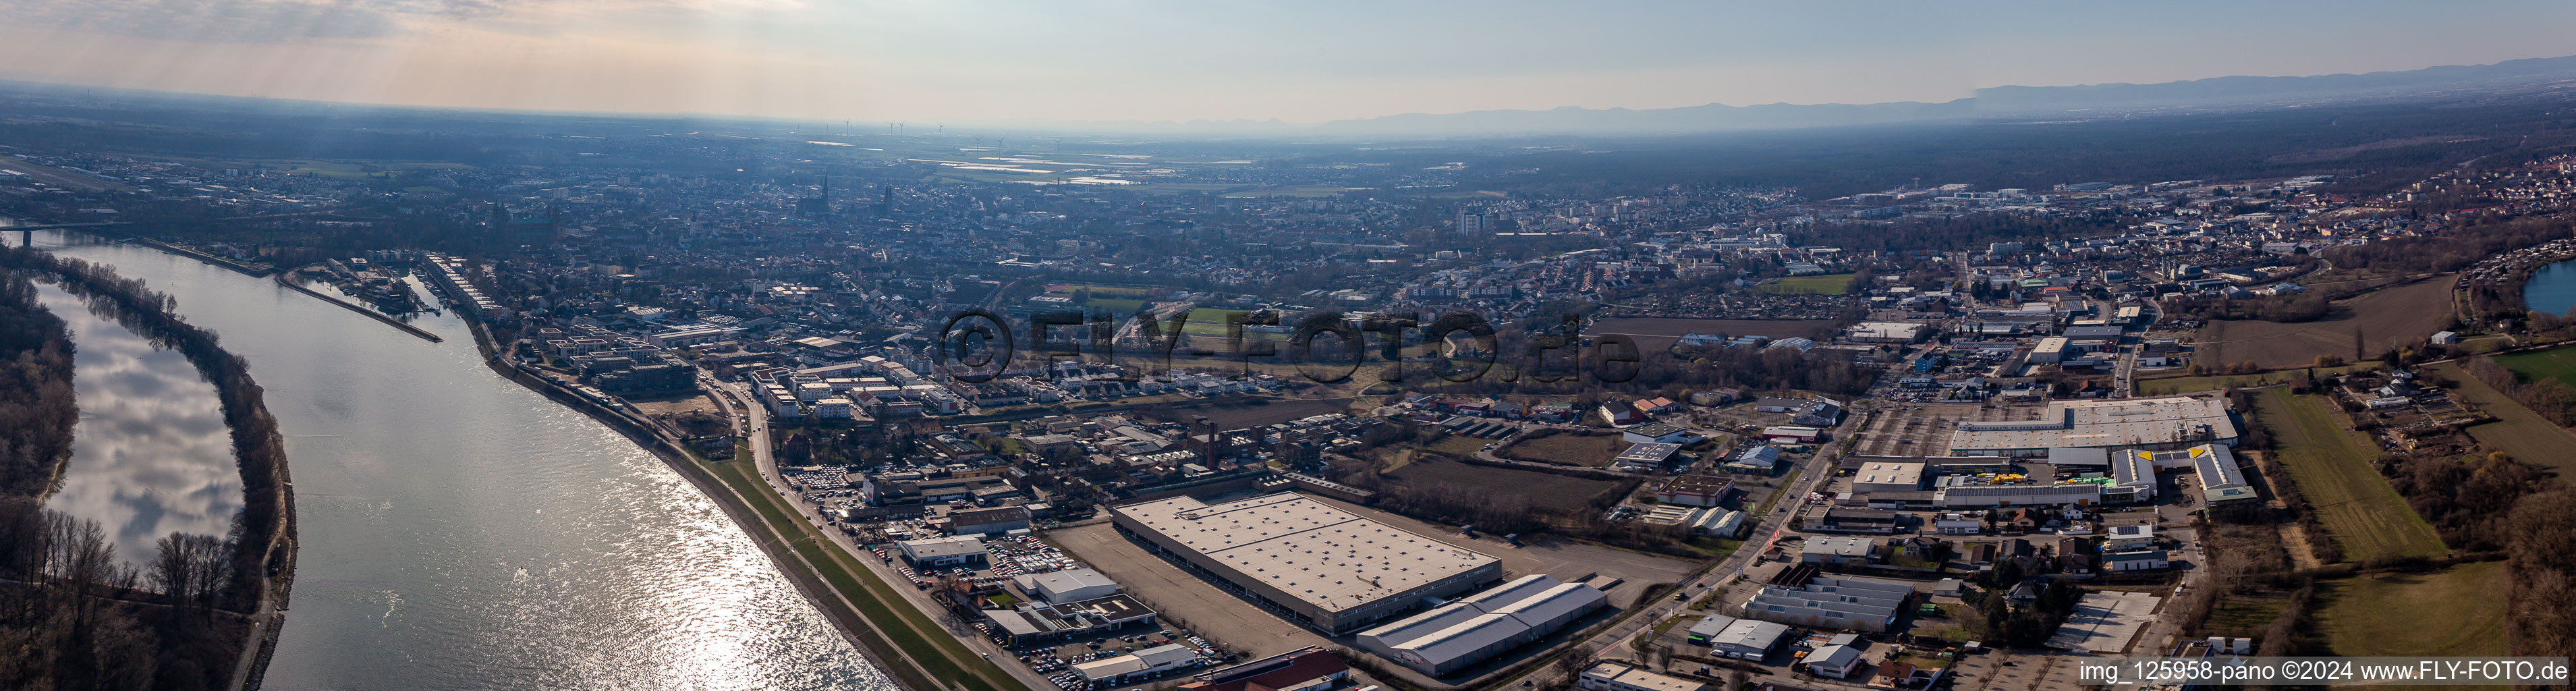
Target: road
1611	641
753	422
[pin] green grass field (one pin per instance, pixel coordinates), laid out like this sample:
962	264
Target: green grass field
1828	284
2554	363
2331	465
2458	611
2517	431
1210	321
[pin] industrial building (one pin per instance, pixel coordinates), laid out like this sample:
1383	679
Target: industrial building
1068	585
1306	669
2221	482
1748	639
1801	598
1000	519
1136	665
1480	626
1039	622
1613	675
2167	422
1881	476
2134	472
1695	490
1970	492
1333	569
944	551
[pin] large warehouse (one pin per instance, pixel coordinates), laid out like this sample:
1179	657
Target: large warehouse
1335	569
2167	422
1479	626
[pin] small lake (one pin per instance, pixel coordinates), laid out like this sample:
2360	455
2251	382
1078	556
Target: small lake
2552	288
151	454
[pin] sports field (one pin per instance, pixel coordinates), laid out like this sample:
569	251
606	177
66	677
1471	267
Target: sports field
1828	284
2517	431
2331	465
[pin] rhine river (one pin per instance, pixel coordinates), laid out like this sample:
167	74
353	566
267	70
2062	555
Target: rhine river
458	531
2552	288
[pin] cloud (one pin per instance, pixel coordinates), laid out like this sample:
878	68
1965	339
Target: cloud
243	21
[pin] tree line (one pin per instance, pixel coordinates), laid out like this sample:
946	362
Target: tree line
2549	398
233	574
37	406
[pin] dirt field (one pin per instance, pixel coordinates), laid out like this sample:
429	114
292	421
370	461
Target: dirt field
673	406
1566	448
2384	318
1555	494
1656	334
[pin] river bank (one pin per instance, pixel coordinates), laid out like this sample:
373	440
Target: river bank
874	639
286	278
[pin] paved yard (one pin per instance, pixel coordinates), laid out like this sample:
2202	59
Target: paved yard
1564	559
1184	599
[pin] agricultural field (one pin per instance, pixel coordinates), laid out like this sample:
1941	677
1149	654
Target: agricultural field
2384	318
2246	615
1568	449
2331	465
1555	494
2554	363
2517	431
1828	284
1657	334
2398	614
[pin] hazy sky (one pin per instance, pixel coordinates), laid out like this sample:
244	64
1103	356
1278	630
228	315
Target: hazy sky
1301	61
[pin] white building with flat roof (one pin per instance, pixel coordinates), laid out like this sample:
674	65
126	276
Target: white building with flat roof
2167	422
1885	476
1613	675
1335	569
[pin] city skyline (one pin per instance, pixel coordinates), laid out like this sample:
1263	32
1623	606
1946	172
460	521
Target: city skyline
999	63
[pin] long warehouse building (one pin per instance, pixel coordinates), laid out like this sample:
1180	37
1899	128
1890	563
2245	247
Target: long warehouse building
1336	570
2169	422
1480	626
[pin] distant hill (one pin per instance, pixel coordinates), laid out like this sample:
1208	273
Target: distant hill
2090	100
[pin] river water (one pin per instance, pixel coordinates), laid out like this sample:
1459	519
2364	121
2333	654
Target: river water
461	532
2552	288
151	454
